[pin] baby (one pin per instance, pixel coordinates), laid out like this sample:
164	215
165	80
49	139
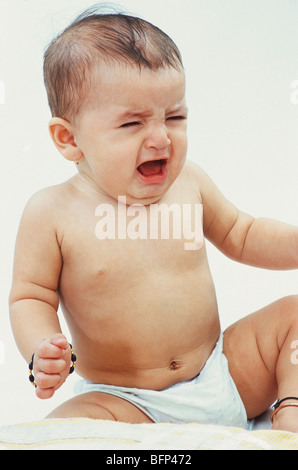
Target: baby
142	308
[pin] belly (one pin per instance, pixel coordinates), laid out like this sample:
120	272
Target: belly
140	315
151	335
157	372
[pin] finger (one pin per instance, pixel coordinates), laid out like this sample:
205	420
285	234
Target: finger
44	381
60	341
52	366
45	394
47	350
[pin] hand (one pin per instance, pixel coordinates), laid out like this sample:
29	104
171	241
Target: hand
51	365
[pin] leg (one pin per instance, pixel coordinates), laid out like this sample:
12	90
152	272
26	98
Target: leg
259	352
96	405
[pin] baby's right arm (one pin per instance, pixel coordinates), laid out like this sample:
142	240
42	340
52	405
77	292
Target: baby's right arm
33	299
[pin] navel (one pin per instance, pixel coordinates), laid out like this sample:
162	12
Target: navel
175	365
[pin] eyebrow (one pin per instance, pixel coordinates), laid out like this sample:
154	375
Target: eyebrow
180	108
132	115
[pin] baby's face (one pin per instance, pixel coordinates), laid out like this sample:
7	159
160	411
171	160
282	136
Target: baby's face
132	132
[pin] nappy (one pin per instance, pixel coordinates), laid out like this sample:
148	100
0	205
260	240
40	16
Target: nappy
209	398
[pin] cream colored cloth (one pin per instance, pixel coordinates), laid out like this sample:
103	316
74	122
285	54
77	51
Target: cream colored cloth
81	433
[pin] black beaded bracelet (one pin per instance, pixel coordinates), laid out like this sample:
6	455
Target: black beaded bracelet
71	370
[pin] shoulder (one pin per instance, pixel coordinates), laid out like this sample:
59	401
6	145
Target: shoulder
193	171
49	199
196	177
46	207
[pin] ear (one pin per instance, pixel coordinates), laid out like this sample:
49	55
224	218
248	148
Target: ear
62	135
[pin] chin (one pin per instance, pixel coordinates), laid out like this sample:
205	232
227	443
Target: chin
143	200
149	194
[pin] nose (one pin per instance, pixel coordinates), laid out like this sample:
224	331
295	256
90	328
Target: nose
157	138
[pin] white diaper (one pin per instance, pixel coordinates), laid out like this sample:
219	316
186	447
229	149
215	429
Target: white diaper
209	398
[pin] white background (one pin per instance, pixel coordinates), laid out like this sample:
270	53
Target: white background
241	58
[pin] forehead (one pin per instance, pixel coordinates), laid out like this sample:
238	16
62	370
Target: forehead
129	87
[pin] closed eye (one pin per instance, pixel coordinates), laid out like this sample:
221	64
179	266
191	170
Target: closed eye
176	118
130	124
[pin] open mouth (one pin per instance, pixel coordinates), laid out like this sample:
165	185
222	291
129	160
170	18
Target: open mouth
154	171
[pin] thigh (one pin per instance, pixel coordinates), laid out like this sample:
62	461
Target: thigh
97	405
252	347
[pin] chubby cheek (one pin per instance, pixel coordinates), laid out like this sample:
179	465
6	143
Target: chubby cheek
179	153
116	174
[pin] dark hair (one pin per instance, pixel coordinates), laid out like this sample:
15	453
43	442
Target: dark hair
95	37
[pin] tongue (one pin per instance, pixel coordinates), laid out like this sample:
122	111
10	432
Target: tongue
150	168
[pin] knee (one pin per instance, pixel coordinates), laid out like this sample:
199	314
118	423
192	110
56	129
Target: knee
87	405
289	308
100	405
290	303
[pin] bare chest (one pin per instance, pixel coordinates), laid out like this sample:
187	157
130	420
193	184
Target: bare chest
115	242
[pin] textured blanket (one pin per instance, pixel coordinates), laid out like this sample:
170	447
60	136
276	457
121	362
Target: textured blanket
87	434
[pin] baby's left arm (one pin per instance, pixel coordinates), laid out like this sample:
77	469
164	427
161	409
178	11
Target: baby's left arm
271	244
262	242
